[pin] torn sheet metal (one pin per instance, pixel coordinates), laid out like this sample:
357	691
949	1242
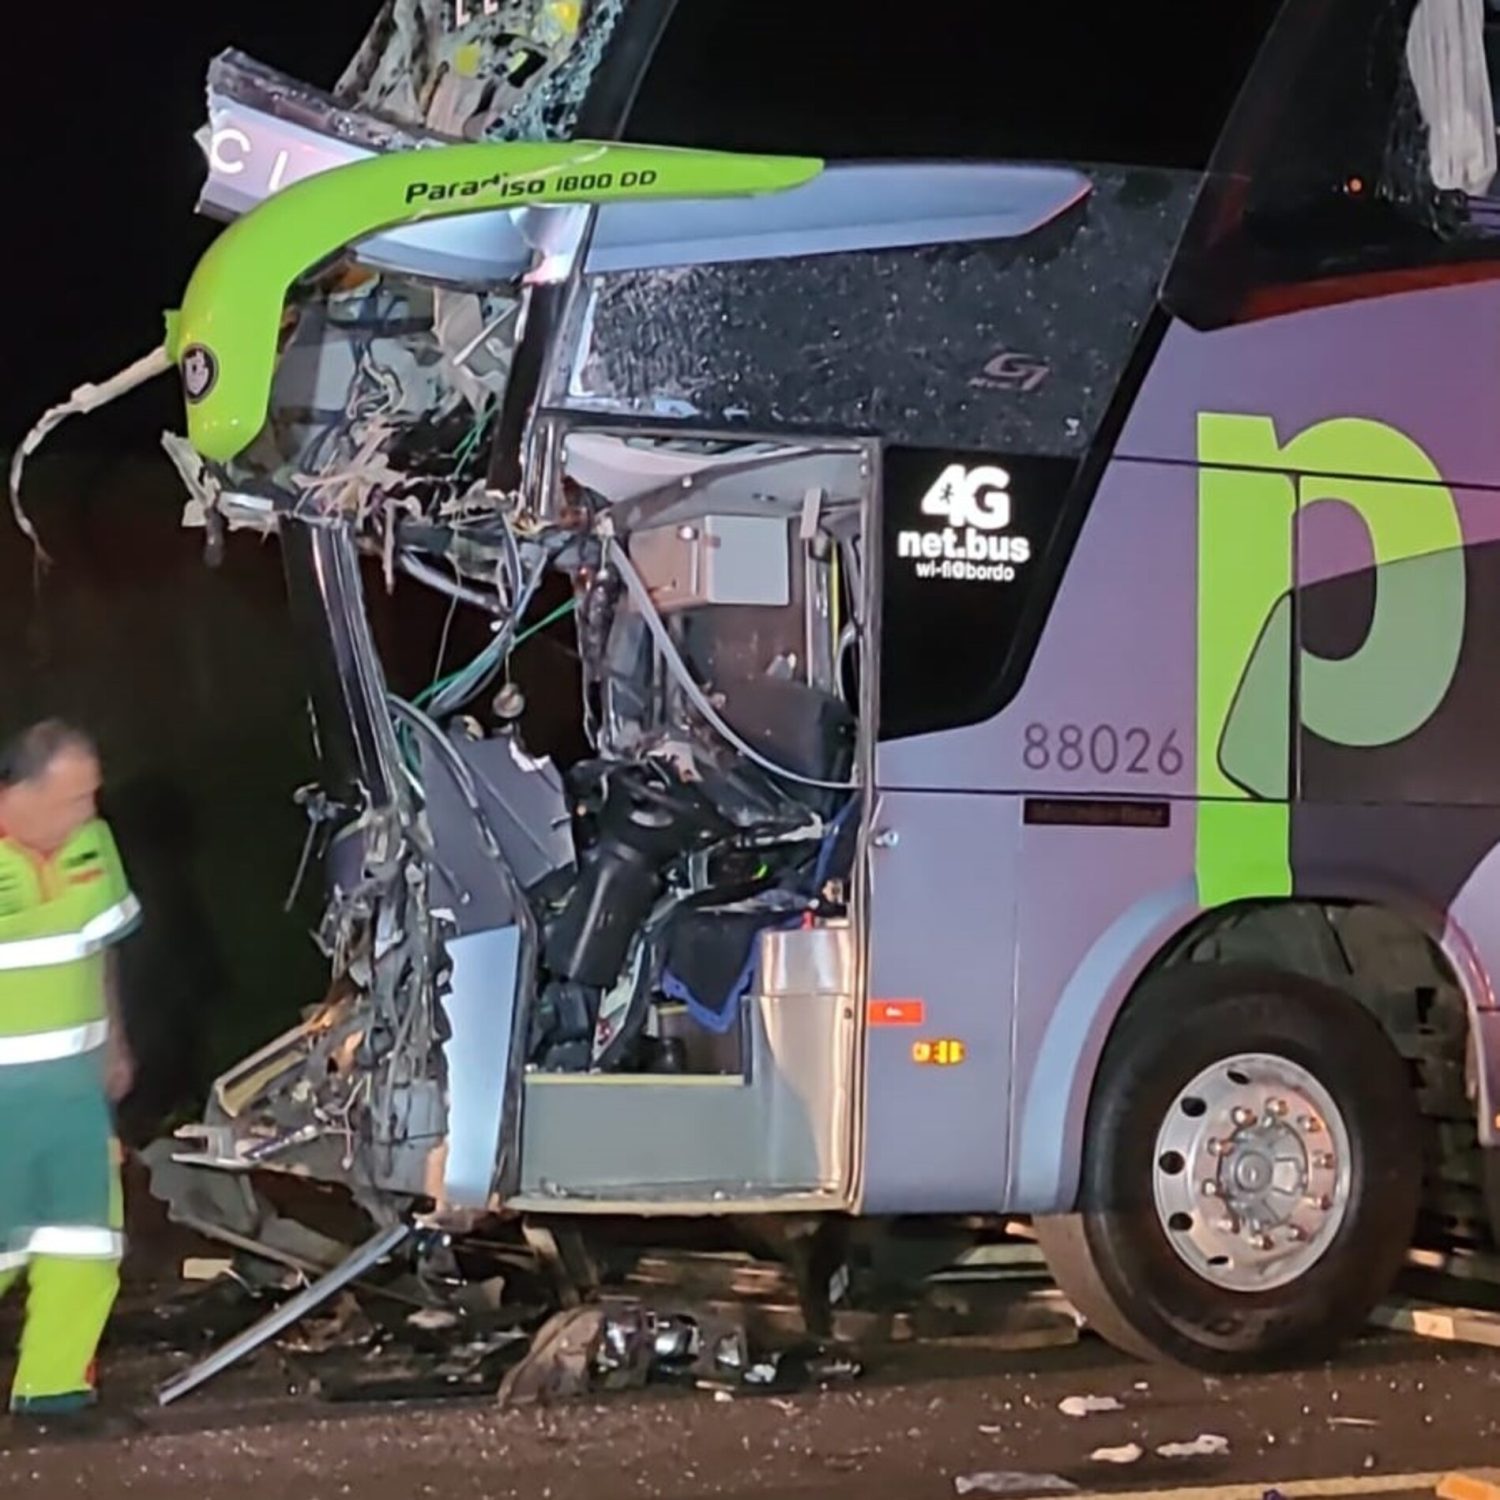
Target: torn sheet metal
266	131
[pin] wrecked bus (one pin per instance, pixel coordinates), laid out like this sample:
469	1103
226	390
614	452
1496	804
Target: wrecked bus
1034	647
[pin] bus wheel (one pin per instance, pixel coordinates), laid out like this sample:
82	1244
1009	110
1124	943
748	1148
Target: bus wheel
1251	1173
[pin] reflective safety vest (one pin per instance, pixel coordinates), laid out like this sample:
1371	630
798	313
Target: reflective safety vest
57	916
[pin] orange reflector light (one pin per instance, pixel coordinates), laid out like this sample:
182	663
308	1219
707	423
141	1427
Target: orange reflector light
946	1053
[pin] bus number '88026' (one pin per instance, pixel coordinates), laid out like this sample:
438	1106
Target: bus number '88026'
1103	749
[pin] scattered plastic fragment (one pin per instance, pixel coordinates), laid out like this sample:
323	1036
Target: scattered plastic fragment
1127	1453
433	1318
1007	1482
1083	1406
1205	1445
826	1369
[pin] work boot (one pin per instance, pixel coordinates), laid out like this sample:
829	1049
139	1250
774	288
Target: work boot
76	1416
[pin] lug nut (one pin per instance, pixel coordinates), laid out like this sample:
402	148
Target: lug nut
1242	1116
1227	1225
1322	1202
1210	1188
1260	1242
1218	1147
1296	1233
1310	1124
1324	1161
1276	1108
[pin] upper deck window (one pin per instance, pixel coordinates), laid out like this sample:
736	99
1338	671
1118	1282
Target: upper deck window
973	79
1364	146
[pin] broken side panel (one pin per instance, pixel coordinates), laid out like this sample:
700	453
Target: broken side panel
1011	344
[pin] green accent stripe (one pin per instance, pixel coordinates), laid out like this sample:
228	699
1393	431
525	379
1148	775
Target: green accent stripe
1244	851
1244	565
231	312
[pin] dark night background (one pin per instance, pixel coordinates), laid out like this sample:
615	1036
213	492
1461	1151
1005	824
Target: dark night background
190	677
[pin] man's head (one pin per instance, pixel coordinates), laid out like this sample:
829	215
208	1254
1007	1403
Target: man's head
49	785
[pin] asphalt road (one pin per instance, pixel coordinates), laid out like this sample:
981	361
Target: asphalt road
1388	1417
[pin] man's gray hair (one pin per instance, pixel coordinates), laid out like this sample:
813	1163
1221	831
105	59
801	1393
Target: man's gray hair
29	754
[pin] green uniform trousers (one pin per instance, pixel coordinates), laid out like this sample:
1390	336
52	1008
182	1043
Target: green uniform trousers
61	1221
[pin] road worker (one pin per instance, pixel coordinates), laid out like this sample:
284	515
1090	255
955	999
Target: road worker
64	901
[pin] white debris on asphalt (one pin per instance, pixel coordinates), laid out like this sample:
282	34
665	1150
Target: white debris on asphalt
1128	1453
1205	1445
1083	1406
1007	1482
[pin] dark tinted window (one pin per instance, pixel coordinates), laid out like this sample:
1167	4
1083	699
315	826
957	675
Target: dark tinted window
1345	159
1147	85
968	563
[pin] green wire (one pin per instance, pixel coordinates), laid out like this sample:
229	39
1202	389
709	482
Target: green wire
557	614
429	693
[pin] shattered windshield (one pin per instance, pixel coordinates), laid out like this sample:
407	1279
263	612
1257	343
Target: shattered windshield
508	70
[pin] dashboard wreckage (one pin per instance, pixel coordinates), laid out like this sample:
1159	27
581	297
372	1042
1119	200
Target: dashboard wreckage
916	861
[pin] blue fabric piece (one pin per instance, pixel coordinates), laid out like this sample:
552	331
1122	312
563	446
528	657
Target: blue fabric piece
718	1022
722	1021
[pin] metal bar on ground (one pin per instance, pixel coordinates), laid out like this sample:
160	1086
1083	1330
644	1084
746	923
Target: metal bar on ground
368	1255
303	1267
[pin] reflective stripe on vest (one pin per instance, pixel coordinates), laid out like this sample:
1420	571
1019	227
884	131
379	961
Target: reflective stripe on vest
71	947
49	1046
76	1242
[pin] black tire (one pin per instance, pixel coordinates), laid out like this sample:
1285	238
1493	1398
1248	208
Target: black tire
1112	1257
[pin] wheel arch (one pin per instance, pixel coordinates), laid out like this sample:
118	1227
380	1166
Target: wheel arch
1165	928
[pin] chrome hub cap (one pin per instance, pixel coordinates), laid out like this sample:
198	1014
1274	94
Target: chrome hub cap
1252	1171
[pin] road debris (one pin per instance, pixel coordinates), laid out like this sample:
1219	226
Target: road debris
206	1267
430	1319
289	1313
1007	1482
1085	1406
623	1345
1205	1445
343	1326
1127	1453
1464	1325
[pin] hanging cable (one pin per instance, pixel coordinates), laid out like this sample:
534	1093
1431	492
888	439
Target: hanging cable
641	597
86	398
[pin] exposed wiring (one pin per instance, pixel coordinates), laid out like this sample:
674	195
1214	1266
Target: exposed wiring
561	612
485	667
442	650
462	776
426	573
696	696
830	839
